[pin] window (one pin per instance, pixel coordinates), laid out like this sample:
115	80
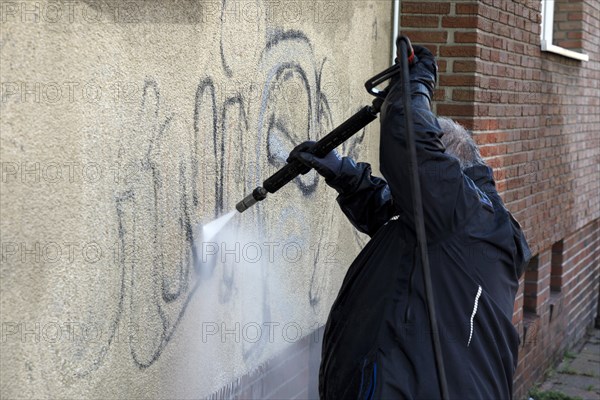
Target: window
562	21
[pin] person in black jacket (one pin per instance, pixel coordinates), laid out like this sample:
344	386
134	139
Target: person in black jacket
377	341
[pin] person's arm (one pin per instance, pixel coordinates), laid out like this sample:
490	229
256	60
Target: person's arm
446	200
363	198
483	177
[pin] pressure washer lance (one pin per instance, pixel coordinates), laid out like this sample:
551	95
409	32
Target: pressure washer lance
332	140
291	170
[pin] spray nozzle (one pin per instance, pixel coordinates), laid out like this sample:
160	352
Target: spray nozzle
257	195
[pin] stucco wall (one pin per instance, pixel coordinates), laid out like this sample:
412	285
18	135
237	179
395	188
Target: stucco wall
125	125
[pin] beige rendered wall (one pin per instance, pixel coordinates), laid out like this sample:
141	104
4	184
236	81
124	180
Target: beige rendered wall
125	125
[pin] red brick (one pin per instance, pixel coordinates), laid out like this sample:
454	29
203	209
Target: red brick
464	66
485	124
439	94
558	16
458	51
490	13
460	22
571	25
427	36
463	95
457	80
575	16
570	44
425	8
442	65
466	8
562	6
465	37
455	109
419	21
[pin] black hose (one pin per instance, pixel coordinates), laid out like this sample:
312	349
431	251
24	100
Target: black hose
419	219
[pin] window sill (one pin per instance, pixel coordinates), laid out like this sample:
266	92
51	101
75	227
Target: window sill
564	52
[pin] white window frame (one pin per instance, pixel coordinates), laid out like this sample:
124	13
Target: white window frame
547	32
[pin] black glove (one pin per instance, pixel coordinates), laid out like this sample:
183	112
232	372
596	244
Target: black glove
423	71
329	166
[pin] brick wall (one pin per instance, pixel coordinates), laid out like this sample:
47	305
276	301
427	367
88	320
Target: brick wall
557	301
535	116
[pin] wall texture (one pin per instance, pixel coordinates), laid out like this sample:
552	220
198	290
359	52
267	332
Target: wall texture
536	117
124	126
127	125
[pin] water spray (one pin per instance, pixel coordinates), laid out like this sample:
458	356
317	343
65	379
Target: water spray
211	229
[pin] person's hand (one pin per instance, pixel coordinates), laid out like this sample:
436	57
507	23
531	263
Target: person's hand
424	68
424	59
328	167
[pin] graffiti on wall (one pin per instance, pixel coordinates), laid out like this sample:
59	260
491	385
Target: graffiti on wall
158	209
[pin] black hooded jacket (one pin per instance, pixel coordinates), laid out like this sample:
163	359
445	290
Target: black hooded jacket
377	341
